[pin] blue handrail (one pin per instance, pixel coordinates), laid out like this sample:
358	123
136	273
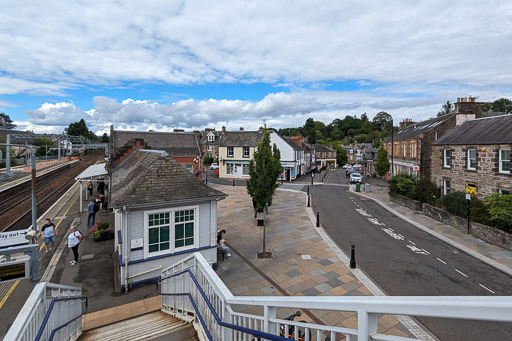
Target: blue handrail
50	309
252	332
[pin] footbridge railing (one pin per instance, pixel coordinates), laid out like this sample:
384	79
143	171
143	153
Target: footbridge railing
191	290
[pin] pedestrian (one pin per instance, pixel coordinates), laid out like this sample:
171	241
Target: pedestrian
91	212
102	200
221	241
48	232
74	239
90	188
101	187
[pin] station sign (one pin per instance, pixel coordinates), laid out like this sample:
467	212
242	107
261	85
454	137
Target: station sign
15	269
13	238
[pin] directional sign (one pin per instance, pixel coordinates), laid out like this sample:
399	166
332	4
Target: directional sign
13	238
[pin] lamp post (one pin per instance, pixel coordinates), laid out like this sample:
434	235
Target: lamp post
383	124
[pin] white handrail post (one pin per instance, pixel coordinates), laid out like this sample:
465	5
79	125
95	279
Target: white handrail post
269	313
226	317
367	324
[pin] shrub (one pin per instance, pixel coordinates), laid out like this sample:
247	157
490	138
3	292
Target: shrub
499	208
103	225
426	191
402	184
456	204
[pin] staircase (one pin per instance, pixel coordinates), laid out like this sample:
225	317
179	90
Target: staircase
153	326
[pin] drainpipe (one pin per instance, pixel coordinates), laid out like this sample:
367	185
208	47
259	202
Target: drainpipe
124	228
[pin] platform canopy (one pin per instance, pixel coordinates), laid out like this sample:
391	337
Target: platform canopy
93	171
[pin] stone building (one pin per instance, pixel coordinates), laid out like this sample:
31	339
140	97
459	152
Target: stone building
412	144
475	157
210	142
325	156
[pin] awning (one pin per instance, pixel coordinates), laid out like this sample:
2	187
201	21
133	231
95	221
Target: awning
92	171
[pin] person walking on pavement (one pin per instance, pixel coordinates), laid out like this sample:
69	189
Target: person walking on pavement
74	240
91	212
48	233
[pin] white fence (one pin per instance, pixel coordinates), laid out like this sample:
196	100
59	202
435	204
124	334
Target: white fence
195	272
32	315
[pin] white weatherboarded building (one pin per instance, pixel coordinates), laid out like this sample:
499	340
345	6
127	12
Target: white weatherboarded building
162	214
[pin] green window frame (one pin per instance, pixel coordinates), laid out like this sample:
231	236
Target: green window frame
159	237
184	228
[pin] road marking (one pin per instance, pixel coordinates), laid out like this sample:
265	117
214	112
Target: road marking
2	302
483	286
392	234
442	261
375	221
463	274
413	243
60	221
363	212
416	249
428	253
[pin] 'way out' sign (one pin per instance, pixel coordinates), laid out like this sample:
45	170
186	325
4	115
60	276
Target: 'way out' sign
13	238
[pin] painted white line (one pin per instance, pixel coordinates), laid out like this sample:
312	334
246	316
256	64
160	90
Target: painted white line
462	273
428	253
442	261
483	286
413	243
403	237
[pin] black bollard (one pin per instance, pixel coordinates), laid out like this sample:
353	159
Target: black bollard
317	219
309	201
233	182
308	190
353	257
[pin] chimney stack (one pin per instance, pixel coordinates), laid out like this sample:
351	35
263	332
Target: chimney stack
405	123
467	109
223	129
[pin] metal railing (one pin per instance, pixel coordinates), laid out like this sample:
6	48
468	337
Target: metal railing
192	288
50	308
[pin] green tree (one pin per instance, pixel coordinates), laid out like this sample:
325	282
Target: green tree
446	109
105	138
382	120
80	129
382	164
264	169
341	154
5	120
499	207
43	145
309	130
503	105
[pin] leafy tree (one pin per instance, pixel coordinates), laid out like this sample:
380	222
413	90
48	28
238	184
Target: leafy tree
207	160
105	138
446	109
264	170
382	164
426	191
402	184
503	105
7	120
80	129
309	130
341	154
382	120
43	145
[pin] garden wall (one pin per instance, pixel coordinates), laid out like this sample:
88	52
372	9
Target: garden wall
489	234
404	201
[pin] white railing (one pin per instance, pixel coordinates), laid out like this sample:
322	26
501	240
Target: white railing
368	309
32	315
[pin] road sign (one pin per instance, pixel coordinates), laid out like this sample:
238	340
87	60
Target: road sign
416	168
14	238
468	196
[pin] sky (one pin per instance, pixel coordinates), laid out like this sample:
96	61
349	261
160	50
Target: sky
163	65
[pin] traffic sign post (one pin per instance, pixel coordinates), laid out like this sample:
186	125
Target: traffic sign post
468	198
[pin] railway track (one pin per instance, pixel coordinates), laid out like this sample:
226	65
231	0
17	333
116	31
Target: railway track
16	212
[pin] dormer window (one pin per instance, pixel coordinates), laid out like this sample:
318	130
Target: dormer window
211	137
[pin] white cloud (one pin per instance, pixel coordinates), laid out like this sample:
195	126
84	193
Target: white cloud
101	42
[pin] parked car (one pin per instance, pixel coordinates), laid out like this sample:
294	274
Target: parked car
346	166
350	171
214	166
356	177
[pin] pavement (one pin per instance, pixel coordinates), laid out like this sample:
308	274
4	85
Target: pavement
305	260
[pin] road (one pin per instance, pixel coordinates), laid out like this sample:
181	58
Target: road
405	261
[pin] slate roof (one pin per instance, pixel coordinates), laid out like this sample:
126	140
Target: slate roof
176	144
240	138
292	143
322	148
151	178
488	130
416	129
204	138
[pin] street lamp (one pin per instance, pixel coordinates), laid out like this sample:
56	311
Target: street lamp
392	142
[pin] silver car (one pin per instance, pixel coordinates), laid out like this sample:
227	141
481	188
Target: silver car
356	177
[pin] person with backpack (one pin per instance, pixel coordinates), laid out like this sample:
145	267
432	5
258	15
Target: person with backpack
74	239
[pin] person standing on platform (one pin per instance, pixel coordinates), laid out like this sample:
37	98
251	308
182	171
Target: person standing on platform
74	240
48	233
91	212
90	188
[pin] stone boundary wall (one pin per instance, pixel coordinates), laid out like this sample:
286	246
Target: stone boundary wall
486	233
404	201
